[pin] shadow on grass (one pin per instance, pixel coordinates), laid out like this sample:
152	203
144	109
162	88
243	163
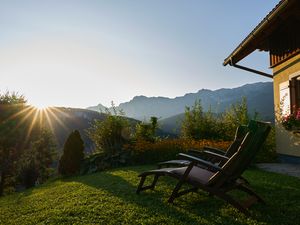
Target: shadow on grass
194	208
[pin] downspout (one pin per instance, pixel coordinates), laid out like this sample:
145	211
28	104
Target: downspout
252	70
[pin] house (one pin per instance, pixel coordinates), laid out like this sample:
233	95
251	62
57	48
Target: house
278	34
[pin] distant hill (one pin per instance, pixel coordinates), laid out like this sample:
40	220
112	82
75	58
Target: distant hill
172	124
259	98
64	120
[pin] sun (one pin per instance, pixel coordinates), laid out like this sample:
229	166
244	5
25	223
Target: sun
40	106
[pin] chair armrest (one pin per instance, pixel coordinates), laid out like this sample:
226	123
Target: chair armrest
216	155
194	151
215	150
208	155
200	161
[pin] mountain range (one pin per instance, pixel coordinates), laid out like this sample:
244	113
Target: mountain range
259	99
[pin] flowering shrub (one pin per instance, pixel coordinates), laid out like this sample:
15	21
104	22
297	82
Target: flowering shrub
291	121
166	149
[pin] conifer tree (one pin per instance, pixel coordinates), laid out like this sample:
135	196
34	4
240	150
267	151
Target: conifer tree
73	154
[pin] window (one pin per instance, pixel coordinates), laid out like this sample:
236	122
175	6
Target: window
295	93
284	97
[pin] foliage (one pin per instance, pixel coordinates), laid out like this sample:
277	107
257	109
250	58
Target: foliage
101	161
109	198
143	151
45	152
238	113
12	134
36	163
267	153
28	174
147	131
291	121
192	125
199	125
73	154
111	134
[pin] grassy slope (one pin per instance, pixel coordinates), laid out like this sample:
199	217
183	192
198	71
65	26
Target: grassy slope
109	198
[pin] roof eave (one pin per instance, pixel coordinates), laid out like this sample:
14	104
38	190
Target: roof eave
247	44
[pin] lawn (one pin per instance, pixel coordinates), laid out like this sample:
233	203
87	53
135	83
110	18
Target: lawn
109	198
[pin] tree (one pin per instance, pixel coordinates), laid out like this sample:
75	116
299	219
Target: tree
111	134
205	125
12	133
36	162
147	131
192	125
45	149
28	173
73	154
236	115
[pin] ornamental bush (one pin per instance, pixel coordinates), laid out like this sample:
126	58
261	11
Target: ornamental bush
142	151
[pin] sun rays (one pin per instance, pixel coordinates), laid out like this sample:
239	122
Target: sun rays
40	117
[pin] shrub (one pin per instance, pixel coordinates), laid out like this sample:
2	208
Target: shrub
267	153
141	152
73	154
147	152
28	174
100	161
111	134
199	125
147	131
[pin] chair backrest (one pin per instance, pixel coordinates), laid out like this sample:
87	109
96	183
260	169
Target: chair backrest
239	161
240	133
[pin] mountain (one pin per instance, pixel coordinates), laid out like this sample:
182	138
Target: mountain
259	99
98	108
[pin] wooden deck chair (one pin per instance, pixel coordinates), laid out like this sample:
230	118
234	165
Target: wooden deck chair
218	181
213	155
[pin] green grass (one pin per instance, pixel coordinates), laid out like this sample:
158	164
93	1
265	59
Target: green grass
109	198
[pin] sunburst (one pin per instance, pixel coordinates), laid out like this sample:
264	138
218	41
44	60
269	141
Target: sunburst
41	116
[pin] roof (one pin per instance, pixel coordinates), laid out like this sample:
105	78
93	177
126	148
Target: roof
258	38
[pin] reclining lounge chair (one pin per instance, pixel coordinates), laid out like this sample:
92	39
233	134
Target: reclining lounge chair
217	181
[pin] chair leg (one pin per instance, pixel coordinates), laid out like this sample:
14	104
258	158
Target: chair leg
175	192
154	182
142	181
141	184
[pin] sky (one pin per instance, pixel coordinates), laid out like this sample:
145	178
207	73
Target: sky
80	53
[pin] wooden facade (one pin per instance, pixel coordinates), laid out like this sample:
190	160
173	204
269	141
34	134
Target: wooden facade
284	43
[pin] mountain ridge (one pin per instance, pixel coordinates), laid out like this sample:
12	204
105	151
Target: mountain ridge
259	99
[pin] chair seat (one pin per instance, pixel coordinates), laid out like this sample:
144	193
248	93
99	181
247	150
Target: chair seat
176	162
197	174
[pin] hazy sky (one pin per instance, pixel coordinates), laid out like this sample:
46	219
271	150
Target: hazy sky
81	53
